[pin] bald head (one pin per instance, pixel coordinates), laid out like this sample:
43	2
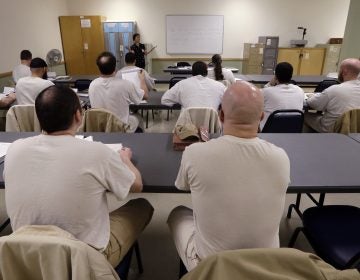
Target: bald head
349	69
242	105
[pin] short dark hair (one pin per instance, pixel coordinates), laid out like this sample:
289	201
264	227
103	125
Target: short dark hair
55	108
37	62
134	36
25	55
283	72
106	63
130	58
199	68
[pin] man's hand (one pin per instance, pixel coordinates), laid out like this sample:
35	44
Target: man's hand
141	74
274	81
125	154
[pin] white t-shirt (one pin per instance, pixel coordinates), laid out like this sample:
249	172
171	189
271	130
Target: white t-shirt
228	75
197	91
115	95
61	180
21	71
334	101
150	84
28	88
238	189
282	97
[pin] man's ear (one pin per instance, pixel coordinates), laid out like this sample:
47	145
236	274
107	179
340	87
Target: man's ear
78	116
262	116
221	115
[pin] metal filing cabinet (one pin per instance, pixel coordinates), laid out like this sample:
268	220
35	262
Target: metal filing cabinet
271	45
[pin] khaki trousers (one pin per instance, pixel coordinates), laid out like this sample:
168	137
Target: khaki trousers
181	224
126	224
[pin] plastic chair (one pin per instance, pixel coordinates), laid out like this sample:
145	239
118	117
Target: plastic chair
284	121
22	118
201	117
349	122
333	231
124	266
183	64
325	84
82	84
101	120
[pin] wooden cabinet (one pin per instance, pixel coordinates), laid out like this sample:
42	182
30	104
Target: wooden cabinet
306	61
83	40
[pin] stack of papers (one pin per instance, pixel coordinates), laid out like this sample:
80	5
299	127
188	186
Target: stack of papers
114	147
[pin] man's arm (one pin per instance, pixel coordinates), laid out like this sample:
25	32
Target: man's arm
318	101
125	155
7	100
182	180
143	84
171	96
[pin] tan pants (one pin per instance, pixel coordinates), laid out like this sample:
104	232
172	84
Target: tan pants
126	224
181	224
313	120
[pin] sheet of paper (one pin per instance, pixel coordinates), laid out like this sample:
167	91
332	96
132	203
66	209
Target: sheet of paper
3	148
8	90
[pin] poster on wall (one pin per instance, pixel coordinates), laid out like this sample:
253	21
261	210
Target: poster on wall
194	34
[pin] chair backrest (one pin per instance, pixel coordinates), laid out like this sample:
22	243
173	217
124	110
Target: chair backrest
82	84
22	118
325	84
101	120
266	264
183	64
284	121
349	122
48	252
201	117
174	80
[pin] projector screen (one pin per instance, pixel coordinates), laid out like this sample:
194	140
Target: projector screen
194	34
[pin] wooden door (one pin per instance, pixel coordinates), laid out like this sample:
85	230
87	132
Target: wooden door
93	43
292	56
312	61
83	40
72	44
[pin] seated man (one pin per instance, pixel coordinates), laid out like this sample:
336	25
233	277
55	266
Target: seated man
114	94
130	67
23	69
238	184
280	94
28	88
197	91
337	99
64	180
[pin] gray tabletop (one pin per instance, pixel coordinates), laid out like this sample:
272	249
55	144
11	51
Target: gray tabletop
300	80
319	162
188	70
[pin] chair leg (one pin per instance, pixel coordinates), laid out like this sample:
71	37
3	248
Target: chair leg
295	206
124	266
295	236
182	269
168	115
138	257
5	224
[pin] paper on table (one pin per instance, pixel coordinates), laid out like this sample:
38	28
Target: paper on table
3	148
8	90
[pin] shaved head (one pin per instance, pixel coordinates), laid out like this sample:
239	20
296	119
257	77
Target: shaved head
349	69
242	104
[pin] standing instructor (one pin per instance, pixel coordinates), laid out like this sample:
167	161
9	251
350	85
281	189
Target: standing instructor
139	50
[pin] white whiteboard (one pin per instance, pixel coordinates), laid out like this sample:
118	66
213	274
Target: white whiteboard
194	34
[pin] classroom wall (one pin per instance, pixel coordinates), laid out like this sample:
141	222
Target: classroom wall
351	44
244	20
29	25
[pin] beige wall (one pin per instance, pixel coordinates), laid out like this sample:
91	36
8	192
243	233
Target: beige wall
244	20
351	44
29	25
